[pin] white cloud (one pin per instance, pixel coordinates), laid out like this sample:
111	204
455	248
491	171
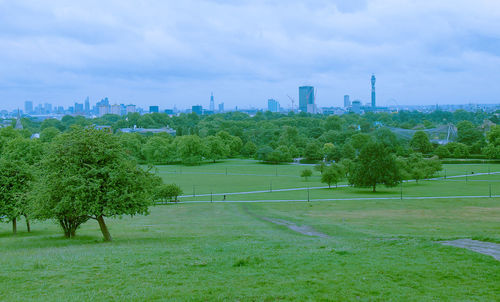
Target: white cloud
173	52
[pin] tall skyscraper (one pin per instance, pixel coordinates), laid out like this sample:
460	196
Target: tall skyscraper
87	106
221	108
306	97
347	101
273	105
212	102
28	107
373	91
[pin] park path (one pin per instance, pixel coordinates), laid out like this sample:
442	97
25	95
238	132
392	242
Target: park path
326	187
343	199
486	248
303	229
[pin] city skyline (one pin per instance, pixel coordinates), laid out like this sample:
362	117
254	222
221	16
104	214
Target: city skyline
175	54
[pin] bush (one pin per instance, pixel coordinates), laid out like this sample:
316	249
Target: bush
168	192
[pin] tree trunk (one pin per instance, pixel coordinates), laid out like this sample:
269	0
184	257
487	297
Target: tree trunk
374	186
14	225
104	228
28	227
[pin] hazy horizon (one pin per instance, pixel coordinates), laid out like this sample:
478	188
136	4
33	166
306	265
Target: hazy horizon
168	53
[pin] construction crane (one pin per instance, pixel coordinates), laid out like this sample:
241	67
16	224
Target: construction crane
293	101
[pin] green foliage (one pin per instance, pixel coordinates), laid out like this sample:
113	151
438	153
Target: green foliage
215	148
48	134
332	174
85	174
492	149
159	149
416	167
249	149
190	149
442	152
168	192
306	173
314	151
420	142
15	182
469	134
373	166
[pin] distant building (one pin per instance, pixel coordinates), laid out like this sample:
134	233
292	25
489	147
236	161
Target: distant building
169	111
48	108
306	97
87	106
130	109
116	109
273	105
212	103
221	107
197	109
154	109
347	101
78	108
373	80
28	107
103	128
144	130
19	125
103	110
356	106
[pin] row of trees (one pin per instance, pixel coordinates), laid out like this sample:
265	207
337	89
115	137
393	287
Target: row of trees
82	174
376	164
277	137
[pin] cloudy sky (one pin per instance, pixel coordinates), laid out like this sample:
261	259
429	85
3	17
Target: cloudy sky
178	52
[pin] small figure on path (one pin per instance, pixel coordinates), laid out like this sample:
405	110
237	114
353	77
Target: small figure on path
224	197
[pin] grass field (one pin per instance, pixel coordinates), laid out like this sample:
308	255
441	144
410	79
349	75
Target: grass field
376	250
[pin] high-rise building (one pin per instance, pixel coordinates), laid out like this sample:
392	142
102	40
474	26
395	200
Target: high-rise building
28	107
347	101
212	103
373	90
197	109
306	97
48	108
87	106
221	108
130	109
78	108
356	106
273	105
154	109
103	110
116	109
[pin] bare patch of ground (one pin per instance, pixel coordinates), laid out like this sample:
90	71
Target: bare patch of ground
304	229
486	248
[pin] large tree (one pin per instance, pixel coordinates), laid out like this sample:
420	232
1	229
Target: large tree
420	142
332	174
86	174
373	166
15	179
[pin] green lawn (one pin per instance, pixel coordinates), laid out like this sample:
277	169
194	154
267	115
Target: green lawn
377	250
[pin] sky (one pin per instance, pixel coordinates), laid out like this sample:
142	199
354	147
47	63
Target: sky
175	53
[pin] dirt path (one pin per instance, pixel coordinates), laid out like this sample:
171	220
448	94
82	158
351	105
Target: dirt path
486	248
304	230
